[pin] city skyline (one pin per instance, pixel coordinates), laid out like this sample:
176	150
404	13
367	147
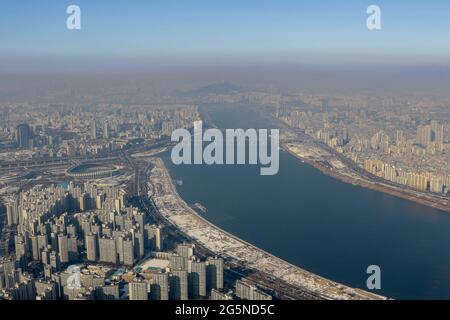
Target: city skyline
232	150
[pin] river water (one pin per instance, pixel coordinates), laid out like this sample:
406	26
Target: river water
321	224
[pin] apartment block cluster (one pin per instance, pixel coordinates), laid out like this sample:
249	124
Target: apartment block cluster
247	291
88	283
108	231
187	277
429	139
74	130
61	225
83	243
333	138
385	142
183	277
419	181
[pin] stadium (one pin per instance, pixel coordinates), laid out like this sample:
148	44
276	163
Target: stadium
93	171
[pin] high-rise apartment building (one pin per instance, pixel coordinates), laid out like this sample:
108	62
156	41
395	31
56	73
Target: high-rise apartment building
197	279
138	290
179	285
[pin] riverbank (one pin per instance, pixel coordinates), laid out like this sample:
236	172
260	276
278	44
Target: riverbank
176	211
367	184
410	195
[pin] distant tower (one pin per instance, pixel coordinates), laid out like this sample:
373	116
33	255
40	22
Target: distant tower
400	137
325	105
94	130
437	132
106	130
23	135
423	135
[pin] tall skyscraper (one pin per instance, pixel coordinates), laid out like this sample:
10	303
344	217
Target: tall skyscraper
128	252
108	292
73	248
2	279
438	135
159	288
214	273
325	105
399	138
105	130
92	247
35	248
217	295
153	237
23	135
63	248
139	249
108	252
138	290
12	214
246	291
424	135
9	274
94	130
178	262
179	285
185	250
197	279
54	260
21	250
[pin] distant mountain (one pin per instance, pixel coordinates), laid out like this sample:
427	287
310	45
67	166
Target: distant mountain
217	88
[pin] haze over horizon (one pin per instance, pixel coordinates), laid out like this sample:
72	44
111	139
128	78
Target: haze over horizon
171	34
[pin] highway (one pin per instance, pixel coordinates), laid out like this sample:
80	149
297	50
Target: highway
105	156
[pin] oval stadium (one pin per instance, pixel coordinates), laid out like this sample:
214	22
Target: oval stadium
93	171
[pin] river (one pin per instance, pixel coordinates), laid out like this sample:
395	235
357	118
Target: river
321	224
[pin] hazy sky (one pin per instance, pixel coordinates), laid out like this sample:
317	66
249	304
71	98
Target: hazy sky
33	33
